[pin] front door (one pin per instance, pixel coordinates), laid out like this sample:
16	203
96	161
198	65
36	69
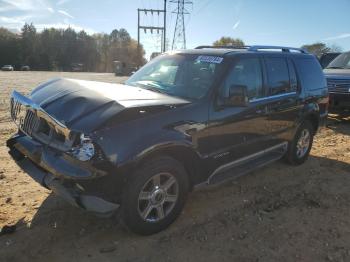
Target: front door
236	132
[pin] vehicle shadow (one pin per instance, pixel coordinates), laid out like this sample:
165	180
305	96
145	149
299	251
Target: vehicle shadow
285	211
339	122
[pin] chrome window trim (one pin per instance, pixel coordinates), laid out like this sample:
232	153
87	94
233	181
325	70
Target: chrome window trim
272	97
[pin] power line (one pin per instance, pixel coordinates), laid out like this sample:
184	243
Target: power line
205	5
151	28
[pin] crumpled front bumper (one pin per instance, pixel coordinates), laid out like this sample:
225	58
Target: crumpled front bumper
51	169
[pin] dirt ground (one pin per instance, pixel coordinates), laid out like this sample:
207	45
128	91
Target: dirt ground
278	213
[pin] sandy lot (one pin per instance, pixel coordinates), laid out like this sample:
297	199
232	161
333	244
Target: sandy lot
278	213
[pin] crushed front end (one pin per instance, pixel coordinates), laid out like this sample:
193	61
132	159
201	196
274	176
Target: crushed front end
64	161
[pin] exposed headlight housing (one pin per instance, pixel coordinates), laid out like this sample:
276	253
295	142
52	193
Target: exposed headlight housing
85	150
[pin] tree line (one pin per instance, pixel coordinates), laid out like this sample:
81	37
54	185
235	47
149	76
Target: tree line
59	49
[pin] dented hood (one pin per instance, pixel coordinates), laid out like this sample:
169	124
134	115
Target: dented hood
85	105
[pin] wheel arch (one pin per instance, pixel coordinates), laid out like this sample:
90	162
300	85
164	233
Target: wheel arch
182	153
313	118
311	113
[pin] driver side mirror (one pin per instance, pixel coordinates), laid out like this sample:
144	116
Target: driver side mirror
238	96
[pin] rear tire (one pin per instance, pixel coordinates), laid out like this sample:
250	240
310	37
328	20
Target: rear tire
154	196
299	148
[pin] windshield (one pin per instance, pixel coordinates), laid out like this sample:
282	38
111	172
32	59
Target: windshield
326	59
185	76
341	62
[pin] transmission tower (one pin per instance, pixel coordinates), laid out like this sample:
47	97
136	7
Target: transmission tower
179	40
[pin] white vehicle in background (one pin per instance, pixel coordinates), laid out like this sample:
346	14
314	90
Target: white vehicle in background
7	68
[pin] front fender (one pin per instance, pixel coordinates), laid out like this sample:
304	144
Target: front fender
127	142
124	148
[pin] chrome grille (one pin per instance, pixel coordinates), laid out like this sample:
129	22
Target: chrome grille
24	117
336	85
16	108
32	120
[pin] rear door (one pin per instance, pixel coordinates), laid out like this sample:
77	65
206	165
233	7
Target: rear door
282	96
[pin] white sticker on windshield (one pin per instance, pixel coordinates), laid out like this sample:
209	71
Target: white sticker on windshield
210	59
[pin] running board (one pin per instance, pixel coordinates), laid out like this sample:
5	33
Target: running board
247	164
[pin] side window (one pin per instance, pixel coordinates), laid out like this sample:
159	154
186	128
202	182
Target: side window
246	72
278	75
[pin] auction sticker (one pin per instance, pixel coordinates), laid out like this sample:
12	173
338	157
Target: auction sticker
210	59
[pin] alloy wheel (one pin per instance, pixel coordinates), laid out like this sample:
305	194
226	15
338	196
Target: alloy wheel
303	143
158	197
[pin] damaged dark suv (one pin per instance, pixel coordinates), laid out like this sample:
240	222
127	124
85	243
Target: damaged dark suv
185	119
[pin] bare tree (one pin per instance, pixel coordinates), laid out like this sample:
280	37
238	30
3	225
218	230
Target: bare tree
60	49
320	48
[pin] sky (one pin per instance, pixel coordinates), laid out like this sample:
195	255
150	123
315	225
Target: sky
263	22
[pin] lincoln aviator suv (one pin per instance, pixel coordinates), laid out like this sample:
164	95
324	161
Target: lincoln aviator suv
185	119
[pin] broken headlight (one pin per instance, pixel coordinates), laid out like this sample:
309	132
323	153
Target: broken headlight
84	150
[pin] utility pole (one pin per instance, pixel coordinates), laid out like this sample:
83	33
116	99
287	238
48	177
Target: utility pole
164	32
179	40
152	28
138	29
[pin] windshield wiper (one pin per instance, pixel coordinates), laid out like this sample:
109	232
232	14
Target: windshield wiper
155	89
150	85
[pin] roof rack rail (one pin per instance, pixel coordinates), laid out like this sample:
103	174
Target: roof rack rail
256	48
222	47
283	48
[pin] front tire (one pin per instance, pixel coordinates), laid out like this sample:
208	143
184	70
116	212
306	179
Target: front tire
299	148
154	196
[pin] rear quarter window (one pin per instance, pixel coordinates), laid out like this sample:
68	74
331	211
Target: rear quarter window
310	73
